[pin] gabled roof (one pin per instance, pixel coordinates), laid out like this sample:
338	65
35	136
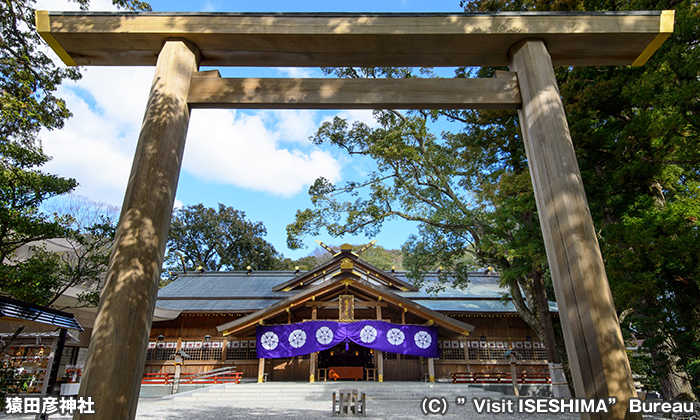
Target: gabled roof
334	266
240	292
346	279
248	292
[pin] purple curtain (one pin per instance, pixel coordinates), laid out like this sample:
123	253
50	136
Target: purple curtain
308	337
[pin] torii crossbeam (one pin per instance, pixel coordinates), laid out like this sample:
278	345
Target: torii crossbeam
530	43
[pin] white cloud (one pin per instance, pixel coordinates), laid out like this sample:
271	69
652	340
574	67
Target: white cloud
300	72
96	146
265	151
291	126
240	149
63	5
362	115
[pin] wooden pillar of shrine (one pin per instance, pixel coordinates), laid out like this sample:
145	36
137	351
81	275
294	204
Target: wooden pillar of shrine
313	362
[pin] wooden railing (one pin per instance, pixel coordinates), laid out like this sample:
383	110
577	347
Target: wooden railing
218	376
500	378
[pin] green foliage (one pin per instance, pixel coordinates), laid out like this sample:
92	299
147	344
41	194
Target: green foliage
635	131
643	368
22	189
303	264
29	76
217	239
12	381
28	82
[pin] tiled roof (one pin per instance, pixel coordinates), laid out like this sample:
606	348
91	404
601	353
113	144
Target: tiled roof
239	291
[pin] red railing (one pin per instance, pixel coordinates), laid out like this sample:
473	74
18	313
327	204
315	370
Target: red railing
218	376
157	378
500	378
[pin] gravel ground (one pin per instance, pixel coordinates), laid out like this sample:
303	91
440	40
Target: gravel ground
160	409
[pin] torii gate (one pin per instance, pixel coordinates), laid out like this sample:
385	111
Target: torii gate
530	43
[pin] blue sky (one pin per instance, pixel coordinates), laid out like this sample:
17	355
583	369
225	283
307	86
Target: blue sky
260	162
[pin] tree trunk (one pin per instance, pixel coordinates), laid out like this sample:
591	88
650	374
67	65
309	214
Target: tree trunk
560	386
676	384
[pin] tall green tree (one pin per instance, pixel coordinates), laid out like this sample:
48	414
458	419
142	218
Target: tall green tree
29	79
635	134
217	239
447	186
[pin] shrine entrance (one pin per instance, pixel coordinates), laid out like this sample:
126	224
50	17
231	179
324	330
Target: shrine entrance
529	43
360	359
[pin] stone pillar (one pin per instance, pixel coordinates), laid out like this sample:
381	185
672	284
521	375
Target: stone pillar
115	362
594	342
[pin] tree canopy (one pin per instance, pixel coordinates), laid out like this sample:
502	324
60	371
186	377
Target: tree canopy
28	103
635	132
217	239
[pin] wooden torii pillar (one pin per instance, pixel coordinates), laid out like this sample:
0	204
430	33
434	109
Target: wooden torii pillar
594	343
114	366
531	43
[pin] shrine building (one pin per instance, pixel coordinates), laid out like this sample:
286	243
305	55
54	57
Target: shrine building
344	319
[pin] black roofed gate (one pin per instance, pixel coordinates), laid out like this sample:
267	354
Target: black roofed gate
530	43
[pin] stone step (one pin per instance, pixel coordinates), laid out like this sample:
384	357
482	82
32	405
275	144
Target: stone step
301	393
314	398
254	392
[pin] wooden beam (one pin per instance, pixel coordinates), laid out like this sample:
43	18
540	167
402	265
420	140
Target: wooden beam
354	39
336	304
123	324
495	93
597	355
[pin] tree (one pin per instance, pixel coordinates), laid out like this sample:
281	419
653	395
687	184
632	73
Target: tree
30	77
84	237
28	82
92	227
634	130
27	105
463	219
217	239
22	189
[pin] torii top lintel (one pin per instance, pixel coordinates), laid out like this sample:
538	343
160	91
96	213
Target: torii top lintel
355	39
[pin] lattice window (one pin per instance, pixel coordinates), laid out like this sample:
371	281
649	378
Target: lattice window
493	350
211	350
389	356
487	350
193	349
165	350
241	350
409	357
150	352
530	350
451	349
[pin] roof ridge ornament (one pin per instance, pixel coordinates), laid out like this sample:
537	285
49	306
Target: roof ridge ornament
326	247
366	247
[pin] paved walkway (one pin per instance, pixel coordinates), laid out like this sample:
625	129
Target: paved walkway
160	409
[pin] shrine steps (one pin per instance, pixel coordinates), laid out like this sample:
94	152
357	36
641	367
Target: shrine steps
321	391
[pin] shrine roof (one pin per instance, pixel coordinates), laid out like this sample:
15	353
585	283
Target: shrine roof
238	291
